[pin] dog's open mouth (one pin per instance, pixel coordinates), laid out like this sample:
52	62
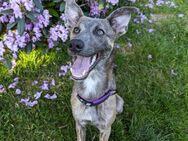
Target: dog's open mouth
83	65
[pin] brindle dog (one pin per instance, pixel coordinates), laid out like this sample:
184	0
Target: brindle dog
93	99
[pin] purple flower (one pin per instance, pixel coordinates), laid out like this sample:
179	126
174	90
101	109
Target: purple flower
28	4
14	55
53	82
63	17
29	103
47	17
14	4
24	100
57	32
160	2
32	103
2	50
35	82
94	9
51	97
53	33
16	79
149	5
45	85
18	91
129	45
143	18
37	35
14	41
2	89
44	19
136	20
4	19
113	2
28	26
64	69
150	30
50	43
13	85
37	95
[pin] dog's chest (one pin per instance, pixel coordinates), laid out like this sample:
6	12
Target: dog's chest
92	85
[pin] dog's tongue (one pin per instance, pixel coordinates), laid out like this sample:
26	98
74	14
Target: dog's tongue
80	66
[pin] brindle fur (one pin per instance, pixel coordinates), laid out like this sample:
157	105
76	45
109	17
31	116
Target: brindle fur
101	78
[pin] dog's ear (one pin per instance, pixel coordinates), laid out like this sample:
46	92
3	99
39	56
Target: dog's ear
120	18
72	13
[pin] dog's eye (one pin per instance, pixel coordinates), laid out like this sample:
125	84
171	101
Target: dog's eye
100	32
76	30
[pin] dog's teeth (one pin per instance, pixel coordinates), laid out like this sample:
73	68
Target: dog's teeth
93	59
84	72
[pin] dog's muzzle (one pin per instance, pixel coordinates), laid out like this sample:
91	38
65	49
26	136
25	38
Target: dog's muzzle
76	45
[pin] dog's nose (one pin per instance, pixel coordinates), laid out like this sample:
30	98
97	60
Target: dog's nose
76	45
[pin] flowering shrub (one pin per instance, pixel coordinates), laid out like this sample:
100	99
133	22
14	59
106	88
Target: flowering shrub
24	23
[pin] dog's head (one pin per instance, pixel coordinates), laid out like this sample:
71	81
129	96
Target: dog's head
92	39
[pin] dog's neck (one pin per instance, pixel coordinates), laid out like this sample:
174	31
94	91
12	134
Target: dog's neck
98	81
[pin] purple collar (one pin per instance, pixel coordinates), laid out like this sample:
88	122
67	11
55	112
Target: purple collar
97	101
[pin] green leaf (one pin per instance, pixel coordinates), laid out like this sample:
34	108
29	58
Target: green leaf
11	25
62	7
1	27
31	16
51	4
6	12
44	31
38	4
36	14
8	63
28	48
21	26
53	12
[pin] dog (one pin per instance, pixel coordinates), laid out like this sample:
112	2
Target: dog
94	98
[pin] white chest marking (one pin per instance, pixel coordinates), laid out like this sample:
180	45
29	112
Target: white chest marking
91	83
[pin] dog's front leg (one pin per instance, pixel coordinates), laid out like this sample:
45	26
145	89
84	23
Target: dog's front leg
105	134
81	132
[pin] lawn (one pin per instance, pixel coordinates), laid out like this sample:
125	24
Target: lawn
152	78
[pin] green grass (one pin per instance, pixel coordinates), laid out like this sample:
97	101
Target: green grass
156	102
